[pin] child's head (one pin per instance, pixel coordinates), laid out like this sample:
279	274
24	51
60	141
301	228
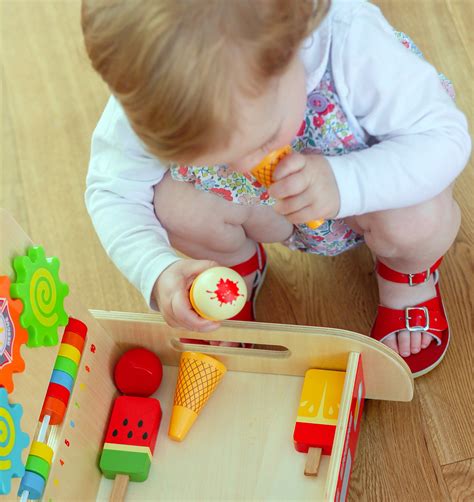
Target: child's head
204	81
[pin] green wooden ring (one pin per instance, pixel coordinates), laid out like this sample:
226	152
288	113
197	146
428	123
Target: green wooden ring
67	365
38	465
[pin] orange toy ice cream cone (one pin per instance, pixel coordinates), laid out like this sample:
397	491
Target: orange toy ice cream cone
263	172
198	377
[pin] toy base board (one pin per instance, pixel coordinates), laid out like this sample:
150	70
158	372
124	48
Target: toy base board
239	448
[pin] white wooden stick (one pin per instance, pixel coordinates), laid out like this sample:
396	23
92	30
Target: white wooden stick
44	428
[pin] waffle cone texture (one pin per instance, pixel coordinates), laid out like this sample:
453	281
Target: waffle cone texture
198	377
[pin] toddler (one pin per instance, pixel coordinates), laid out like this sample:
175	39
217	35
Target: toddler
203	89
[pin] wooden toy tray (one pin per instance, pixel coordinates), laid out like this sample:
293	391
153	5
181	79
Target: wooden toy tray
240	446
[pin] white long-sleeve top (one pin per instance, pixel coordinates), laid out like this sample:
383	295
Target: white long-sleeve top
390	96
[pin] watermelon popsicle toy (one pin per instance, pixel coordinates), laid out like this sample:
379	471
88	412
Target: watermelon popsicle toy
131	438
317	415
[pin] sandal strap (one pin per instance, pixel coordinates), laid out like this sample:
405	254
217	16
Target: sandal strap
257	264
427	316
411	279
253	264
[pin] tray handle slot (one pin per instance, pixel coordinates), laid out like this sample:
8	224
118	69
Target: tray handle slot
245	349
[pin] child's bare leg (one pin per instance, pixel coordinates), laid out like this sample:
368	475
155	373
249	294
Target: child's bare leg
410	240
203	226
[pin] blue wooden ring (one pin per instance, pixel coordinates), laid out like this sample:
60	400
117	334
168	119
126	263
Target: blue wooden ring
34	484
61	378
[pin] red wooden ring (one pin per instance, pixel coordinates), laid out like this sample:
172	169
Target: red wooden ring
59	392
77	327
74	339
54	408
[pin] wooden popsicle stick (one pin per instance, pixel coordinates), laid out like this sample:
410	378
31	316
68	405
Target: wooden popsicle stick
119	488
313	460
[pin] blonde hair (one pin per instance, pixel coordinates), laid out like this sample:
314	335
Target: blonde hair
175	64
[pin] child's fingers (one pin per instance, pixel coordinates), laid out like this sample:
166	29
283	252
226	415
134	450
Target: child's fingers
302	216
289	186
224	344
192	268
289	165
293	205
187	317
168	315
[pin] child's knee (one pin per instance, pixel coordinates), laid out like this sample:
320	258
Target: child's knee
197	218
403	230
435	220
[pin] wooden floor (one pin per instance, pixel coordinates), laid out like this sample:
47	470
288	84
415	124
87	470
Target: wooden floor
421	450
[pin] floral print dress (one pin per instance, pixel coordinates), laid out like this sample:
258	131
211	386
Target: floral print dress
325	130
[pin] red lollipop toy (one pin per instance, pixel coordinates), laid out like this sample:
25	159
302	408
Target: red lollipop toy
138	373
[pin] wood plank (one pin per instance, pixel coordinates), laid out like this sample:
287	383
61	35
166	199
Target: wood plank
462	14
54	101
396	459
445	39
460	480
444	393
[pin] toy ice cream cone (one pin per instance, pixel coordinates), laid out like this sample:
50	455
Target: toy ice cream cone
198	377
263	172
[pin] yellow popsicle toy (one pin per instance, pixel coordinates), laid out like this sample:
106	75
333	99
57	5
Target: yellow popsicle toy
317	415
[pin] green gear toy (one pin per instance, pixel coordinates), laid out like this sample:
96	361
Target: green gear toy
12	441
38	286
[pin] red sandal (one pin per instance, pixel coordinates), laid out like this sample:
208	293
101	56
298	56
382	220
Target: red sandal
427	316
257	263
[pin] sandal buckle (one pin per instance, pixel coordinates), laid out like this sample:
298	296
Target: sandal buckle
412	276
408	319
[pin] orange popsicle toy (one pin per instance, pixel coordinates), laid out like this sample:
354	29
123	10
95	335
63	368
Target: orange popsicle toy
263	172
198	377
317	415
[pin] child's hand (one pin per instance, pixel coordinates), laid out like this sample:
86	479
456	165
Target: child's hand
305	188
171	292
